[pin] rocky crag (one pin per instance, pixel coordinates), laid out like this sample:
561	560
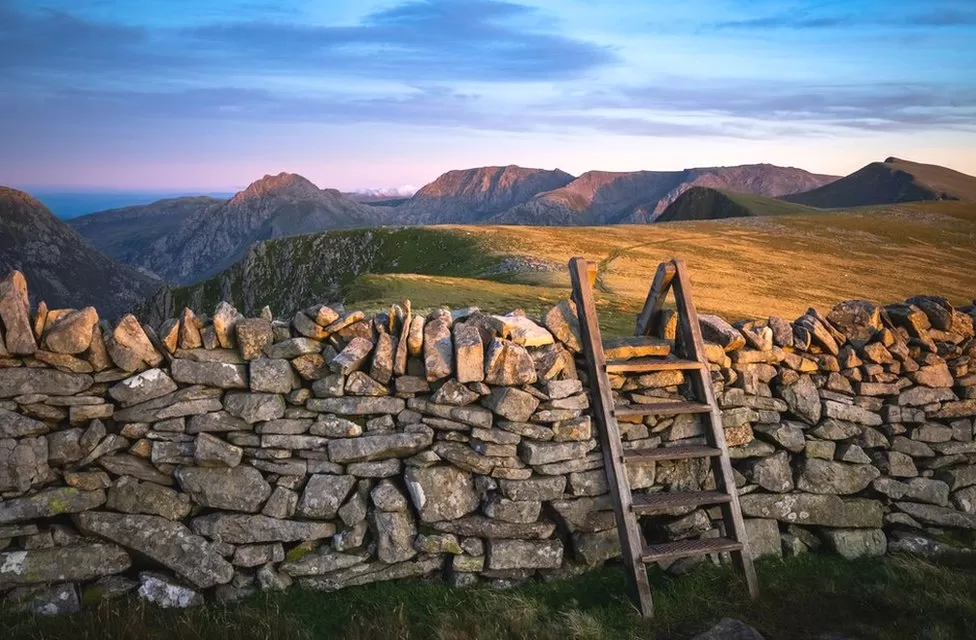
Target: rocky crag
214	456
66	270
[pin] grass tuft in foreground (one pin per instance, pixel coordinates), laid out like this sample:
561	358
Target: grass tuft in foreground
888	598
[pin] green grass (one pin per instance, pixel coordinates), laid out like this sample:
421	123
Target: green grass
889	598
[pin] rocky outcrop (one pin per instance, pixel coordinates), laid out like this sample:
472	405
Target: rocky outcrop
216	457
64	269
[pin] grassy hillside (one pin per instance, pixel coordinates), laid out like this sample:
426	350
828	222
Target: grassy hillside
703	203
740	267
891	181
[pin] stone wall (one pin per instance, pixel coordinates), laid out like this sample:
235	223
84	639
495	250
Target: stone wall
216	456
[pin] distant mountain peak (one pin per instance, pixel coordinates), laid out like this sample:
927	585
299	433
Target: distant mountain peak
284	184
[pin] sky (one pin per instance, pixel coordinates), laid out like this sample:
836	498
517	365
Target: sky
209	95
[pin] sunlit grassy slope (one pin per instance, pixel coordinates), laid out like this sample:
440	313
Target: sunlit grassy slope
744	267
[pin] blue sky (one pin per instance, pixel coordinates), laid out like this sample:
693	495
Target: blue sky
212	94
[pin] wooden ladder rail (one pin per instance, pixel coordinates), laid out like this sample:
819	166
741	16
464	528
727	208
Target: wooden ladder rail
670	275
689	331
613	458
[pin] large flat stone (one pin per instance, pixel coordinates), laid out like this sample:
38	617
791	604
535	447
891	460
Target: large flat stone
169	543
524	554
811	509
48	503
357	406
378	447
212	374
23	463
240	488
61	564
250	529
142	387
50	382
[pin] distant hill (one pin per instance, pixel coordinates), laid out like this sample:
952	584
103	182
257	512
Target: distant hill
125	234
213	238
61	267
474	195
603	197
704	203
888	182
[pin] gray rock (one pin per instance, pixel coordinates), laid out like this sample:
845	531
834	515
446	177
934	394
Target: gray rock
482	527
519	511
250	529
130	348
595	548
48	503
811	509
395	533
23	464
524	554
441	493
508	364
128	465
824	476
537	489
129	495
240	488
253	336
321	563
856	543
833	429
142	387
730	629
163	591
939	516
352	357
334	427
928	490
537	453
323	496
803	400
255	555
185	402
211	374
764	537
378	447
49	382
169	543
469	353
438	348
61	564
56	600
772	473
357	406
510	403
281	504
15	314
859	320
16	425
387	497
292	348
255	407
272	376
209	451
851	413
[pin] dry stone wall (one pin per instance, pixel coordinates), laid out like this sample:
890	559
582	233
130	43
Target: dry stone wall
211	457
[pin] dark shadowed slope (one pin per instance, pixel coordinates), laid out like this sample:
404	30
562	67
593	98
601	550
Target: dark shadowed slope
474	195
704	203
125	234
62	268
275	206
888	182
602	197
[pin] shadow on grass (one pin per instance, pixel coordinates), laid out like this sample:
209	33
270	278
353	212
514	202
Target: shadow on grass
889	598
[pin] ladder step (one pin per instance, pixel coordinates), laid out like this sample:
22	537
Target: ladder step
688	548
662	409
638	365
653	502
635	347
680	452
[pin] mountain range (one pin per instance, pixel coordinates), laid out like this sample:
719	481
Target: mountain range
185	240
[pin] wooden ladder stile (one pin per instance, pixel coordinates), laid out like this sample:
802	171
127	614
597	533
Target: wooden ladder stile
671	276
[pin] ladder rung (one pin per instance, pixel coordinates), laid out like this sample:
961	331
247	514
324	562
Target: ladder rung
662	409
653	502
680	452
688	548
638	365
